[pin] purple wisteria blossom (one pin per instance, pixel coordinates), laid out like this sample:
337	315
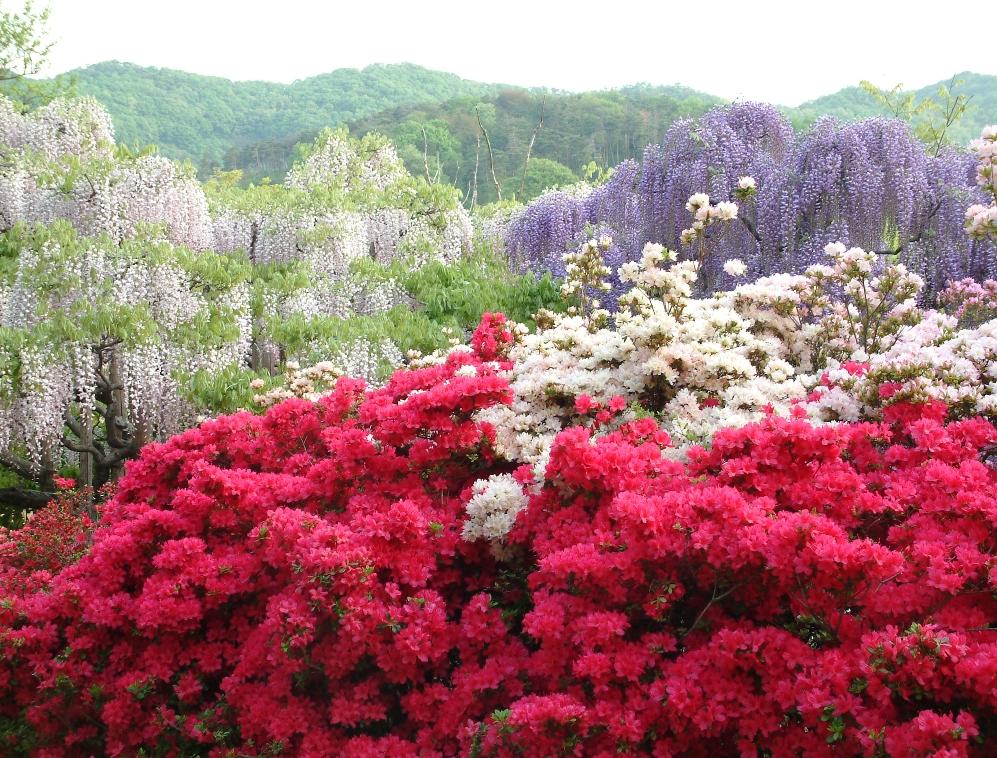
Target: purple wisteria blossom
869	183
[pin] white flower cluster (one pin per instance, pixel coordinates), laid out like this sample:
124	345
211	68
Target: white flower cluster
981	220
360	358
877	302
934	360
698	362
704	213
493	507
783	344
746	188
986	152
309	383
735	267
585	274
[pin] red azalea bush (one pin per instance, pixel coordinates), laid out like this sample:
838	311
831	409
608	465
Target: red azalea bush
296	583
792	591
55	536
293	583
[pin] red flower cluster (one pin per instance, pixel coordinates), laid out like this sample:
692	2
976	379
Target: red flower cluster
586	407
64	482
54	537
796	590
290	583
296	583
493	338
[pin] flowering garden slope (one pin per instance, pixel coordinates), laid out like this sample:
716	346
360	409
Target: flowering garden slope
296	583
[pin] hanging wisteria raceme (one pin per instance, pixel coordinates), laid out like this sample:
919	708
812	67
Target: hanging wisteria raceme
100	340
79	128
348	201
60	162
868	183
335	160
403	217
538	236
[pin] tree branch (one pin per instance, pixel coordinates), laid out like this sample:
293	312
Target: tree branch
491	155
24	498
529	149
78	447
714	599
20	466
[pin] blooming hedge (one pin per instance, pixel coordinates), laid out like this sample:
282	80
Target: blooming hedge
297	583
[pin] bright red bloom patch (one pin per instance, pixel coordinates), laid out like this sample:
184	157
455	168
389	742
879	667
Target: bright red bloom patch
296	583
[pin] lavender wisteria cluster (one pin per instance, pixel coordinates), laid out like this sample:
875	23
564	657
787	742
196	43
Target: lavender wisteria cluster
869	184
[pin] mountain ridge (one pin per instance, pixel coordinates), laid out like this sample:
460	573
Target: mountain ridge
254	125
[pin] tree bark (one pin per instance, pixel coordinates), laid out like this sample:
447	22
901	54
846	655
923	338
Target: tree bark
29	500
474	190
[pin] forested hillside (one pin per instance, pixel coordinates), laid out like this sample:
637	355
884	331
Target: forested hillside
200	117
432	117
601	127
854	102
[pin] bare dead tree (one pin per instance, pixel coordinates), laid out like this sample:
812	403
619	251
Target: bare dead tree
439	169
491	155
529	149
456	180
473	188
425	153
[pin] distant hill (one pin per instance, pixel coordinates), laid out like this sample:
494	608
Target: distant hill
201	117
255	126
854	103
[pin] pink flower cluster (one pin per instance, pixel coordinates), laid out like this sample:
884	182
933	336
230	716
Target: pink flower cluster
296	584
970	301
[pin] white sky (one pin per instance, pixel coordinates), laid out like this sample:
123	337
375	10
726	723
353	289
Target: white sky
772	50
